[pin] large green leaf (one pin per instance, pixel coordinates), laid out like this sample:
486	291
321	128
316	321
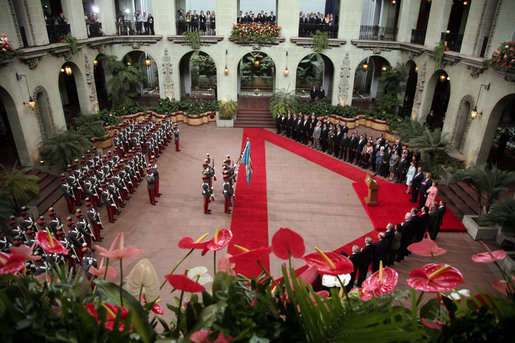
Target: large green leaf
137	314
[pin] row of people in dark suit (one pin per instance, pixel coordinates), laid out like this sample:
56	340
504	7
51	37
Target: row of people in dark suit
392	245
310	23
260	18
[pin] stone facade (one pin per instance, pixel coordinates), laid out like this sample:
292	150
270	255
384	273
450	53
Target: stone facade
41	62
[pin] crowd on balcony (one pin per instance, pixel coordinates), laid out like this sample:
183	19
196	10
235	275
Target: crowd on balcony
204	22
310	23
261	18
140	23
57	26
93	24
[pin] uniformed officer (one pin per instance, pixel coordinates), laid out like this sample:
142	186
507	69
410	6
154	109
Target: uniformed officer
151	186
176	137
207	191
95	221
228	193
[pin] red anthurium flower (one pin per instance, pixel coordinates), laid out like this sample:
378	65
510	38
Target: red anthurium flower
250	255
120	253
502	286
112	312
189	243
203	337
49	243
426	247
329	263
489	256
11	263
219	241
286	242
157	309
183	283
435	278
364	295
381	282
25	251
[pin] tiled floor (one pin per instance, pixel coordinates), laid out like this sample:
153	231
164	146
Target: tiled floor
320	205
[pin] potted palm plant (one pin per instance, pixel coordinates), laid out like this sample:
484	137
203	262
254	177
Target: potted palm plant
488	184
226	113
62	148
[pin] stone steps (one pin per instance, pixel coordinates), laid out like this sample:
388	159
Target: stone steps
50	191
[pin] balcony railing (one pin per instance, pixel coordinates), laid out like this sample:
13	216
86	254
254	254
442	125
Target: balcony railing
418	36
309	29
56	32
94	29
376	32
452	40
208	29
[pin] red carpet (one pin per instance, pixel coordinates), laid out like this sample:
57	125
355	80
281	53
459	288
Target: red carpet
249	223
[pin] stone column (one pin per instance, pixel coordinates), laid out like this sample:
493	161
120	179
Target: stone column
7	23
438	20
288	17
30	16
225	16
502	28
74	13
472	27
107	16
350	19
408	16
164	17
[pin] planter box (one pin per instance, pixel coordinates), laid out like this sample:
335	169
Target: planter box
224	122
479	232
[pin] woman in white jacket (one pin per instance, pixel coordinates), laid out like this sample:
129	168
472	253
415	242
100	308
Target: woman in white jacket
409	177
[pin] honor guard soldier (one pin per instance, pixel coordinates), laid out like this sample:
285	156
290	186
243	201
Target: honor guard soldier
84	228
151	186
4	243
228	193
54	223
89	261
155	171
176	137
109	203
207	192
28	223
76	240
95	221
16	231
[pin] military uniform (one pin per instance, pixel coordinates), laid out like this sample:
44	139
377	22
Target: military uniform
207	191
151	186
228	193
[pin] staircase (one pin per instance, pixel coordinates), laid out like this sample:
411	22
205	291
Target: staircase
253	112
50	191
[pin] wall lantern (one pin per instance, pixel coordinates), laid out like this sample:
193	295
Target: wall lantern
68	70
226	70
474	113
129	63
365	66
416	69
257	62
95	63
286	72
443	78
394	2
31	103
62	70
148	62
383	68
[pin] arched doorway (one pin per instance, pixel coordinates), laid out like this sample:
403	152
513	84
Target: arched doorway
411	88
418	35
198	75
501	118
314	69
367	88
69	92
149	93
256	74
440	83
12	143
462	123
100	83
43	112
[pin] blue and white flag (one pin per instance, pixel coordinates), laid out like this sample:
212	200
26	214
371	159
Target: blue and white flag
246	160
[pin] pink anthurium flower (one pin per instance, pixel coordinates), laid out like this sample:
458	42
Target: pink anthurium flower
328	262
25	251
49	244
203	337
189	243
381	282
122	251
488	256
112	312
426	247
101	271
219	241
502	286
432	325
435	278
286	243
183	283
259	254
224	265
11	263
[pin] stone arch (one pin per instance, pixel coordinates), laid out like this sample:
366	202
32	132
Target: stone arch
13	120
74	91
462	123
304	83
367	88
253	76
148	66
438	91
202	81
43	112
99	76
411	88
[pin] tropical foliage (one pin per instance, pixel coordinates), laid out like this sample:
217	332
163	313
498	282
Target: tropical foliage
90	125
438	53
189	106
320	41
392	81
228	109
62	148
193	38
124	80
488	182
310	71
501	213
283	101
202	67
408	129
253	32
503	58
434	146
17	188
72	43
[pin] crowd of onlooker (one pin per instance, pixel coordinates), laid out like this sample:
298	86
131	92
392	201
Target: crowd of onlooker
261	18
190	21
143	23
310	23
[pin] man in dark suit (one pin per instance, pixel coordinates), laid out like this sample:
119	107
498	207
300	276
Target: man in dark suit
344	146
324	136
321	93
433	221
424	186
408	229
278	122
359	152
355	258
402	168
381	253
441	213
423	224
415	184
337	139
367	255
353	147
313	94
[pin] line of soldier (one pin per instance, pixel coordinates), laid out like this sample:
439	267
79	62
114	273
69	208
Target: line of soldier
229	176
75	237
